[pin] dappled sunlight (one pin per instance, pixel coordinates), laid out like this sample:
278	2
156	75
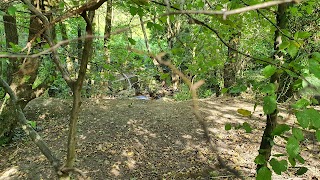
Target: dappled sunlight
9	173
123	139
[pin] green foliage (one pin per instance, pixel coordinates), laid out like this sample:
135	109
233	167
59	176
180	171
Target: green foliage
227	127
269	104
269	70
246	126
260	159
279	166
12	10
301	103
301	170
280	129
298	134
308	118
33	124
183	94
292	147
264	173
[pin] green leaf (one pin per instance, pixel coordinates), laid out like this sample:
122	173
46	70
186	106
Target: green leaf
227	127
158	27
298	134
244	112
284	45
246	126
316	56
278	166
264	173
133	10
301	171
301	103
224	90
132	41
302	34
315	118
318	135
291	73
150	25
300	159
280	129
140	12
269	88
314	67
260	159
292	161
12	10
61	4
269	70
308	116
269	104
33	124
292	147
303	119
293	49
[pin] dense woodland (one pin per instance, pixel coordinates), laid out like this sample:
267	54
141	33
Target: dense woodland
267	52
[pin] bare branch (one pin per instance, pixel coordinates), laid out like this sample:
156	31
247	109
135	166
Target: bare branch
226	13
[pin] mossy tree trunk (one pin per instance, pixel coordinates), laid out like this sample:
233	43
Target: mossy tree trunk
23	73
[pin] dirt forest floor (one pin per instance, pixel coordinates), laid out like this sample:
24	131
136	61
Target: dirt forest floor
148	139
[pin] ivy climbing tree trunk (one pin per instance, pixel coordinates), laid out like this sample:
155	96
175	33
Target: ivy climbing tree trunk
267	138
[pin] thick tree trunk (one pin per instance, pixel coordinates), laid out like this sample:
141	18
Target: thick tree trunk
11	32
267	138
22	80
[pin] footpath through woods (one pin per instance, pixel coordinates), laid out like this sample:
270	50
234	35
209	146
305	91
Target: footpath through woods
147	139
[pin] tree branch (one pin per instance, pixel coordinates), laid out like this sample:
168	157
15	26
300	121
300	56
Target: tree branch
56	58
29	130
226	13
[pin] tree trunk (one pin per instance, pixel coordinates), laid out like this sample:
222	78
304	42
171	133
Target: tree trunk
22	80
86	54
11	32
267	138
107	31
230	67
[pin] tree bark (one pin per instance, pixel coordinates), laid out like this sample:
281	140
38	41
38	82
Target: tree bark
267	138
107	31
86	54
28	129
21	83
11	34
230	67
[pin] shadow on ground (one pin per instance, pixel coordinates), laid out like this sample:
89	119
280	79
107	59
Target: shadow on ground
146	139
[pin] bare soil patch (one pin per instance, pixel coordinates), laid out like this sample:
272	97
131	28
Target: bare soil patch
147	139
